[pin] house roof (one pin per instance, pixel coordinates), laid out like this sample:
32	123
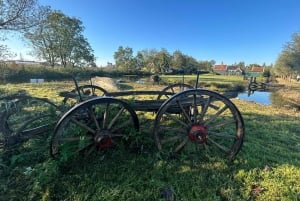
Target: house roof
220	67
257	69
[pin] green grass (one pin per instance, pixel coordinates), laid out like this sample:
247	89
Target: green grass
267	168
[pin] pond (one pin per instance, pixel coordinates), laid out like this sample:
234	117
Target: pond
262	97
265	97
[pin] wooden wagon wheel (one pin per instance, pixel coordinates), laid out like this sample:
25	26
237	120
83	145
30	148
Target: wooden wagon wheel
96	124
174	88
26	117
199	121
87	92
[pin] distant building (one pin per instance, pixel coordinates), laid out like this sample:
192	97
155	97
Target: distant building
220	69
224	69
234	70
22	62
255	71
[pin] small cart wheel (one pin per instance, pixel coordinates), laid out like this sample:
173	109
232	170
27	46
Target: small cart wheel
25	117
173	89
196	121
87	92
97	124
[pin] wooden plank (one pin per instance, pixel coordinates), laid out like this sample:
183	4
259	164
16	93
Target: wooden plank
134	93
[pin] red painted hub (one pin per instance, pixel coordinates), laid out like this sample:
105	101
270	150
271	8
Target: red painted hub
198	134
105	142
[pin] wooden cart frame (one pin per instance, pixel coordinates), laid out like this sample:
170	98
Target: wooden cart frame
187	119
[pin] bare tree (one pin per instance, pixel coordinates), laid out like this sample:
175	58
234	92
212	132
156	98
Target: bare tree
18	15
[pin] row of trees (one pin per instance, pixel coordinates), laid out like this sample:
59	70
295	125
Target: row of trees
162	61
54	37
155	61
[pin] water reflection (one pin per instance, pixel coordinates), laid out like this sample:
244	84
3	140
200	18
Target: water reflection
264	97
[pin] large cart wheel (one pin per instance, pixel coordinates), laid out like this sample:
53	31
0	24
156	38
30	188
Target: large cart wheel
86	92
173	89
26	117
96	124
199	121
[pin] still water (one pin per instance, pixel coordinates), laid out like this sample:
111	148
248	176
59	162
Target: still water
266	98
262	97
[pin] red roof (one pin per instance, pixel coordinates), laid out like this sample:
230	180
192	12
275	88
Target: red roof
258	69
220	67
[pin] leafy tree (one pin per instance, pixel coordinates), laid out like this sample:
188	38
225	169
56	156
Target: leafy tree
162	61
192	65
59	39
241	65
140	60
179	60
206	65
149	59
124	59
184	62
288	61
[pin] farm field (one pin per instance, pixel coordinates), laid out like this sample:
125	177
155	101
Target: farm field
266	168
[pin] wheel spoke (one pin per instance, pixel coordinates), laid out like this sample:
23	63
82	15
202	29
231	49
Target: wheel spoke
171	139
117	135
195	110
178	129
73	139
176	119
124	124
206	147
115	118
92	114
225	149
181	145
105	116
204	110
222	135
219	112
184	112
85	147
222	124
83	125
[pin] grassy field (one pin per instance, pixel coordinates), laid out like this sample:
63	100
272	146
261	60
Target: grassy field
267	167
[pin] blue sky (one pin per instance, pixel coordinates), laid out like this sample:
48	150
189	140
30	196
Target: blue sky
228	31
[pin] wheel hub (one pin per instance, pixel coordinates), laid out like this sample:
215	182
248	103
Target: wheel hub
198	134
103	140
